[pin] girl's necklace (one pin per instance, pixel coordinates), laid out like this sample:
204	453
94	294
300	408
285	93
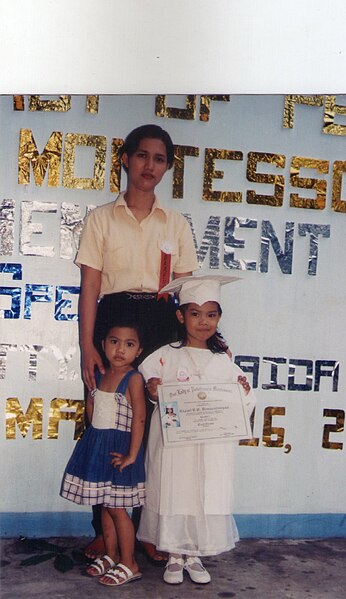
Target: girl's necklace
204	355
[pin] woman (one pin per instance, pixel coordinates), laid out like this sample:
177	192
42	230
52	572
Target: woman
129	249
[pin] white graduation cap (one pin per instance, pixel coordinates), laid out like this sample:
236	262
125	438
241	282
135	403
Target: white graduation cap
199	289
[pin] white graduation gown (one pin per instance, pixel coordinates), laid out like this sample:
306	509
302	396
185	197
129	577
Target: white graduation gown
189	490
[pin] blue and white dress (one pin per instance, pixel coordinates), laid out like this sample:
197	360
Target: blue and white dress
90	478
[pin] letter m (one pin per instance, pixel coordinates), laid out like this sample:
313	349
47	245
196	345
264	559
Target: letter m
29	154
15	414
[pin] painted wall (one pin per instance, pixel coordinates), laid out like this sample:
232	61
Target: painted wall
261	182
198	46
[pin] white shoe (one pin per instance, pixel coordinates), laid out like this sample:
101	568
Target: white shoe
196	570
173	573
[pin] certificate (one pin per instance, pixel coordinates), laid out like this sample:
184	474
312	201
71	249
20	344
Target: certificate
203	413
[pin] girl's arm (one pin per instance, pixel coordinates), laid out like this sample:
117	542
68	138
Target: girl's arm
90	289
136	391
250	399
152	386
151	369
90	407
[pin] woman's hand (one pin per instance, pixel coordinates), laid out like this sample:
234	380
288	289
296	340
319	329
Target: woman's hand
90	290
152	385
121	461
91	359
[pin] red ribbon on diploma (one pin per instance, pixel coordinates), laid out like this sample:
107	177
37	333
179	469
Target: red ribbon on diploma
165	273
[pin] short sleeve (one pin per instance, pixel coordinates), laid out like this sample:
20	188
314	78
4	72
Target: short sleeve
187	252
151	367
90	252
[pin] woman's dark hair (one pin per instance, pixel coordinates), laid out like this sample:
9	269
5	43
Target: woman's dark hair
215	343
134	138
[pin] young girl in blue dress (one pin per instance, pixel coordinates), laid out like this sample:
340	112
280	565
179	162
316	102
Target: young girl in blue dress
107	465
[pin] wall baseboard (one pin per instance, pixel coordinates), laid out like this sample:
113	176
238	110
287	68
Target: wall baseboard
265	526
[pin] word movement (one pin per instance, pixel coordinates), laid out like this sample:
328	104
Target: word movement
223	242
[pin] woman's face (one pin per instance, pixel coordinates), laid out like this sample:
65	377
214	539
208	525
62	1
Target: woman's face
147	165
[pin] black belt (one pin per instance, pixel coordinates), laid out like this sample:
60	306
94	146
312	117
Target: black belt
130	295
140	296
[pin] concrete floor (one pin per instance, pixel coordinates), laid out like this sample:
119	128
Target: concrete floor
255	569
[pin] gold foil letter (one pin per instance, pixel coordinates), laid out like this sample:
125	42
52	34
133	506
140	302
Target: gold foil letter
18	103
61	105
115	176
92	104
66	409
99	142
277	180
51	156
179	166
291	101
319	185
339	168
187	114
204	107
330	110
33	415
212	154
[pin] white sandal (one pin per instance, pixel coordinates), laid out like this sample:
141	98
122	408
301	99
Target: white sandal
120	574
99	566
